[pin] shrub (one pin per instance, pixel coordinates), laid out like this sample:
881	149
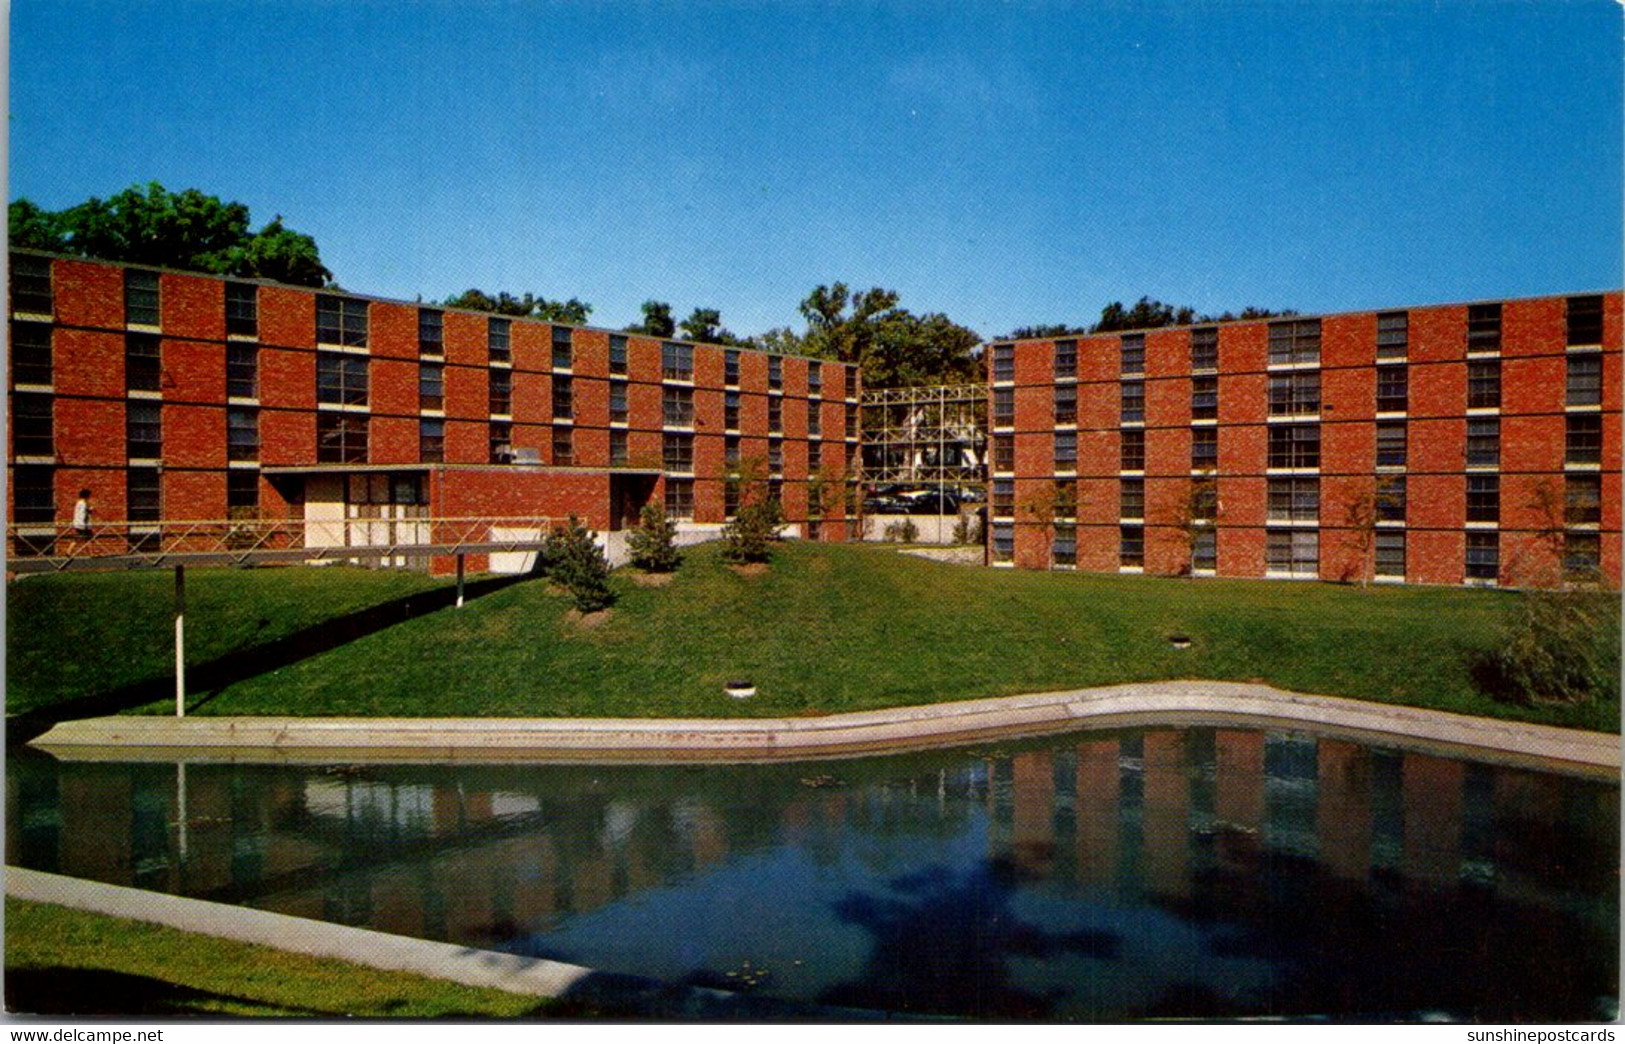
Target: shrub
968	530
1561	646
904	532
749	537
653	541
575	560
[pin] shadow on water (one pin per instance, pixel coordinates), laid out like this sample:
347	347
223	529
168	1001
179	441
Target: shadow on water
943	948
208	680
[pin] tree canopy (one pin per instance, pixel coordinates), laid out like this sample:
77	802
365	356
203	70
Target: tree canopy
572	312
149	225
657	320
891	346
1145	314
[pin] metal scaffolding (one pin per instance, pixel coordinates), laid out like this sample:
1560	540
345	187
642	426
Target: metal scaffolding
929	436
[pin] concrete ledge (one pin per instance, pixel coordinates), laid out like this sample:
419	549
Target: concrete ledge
764	739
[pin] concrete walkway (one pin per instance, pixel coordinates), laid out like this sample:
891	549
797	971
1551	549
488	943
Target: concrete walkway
762	739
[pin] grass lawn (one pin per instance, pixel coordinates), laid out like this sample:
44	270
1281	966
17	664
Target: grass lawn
61	962
835	628
82	634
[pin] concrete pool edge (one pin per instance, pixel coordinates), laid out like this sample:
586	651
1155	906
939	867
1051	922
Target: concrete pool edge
847	734
467	966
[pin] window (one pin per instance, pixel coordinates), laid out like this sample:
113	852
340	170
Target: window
1390	553
1205	550
1582	442
142	498
143	362
1004	542
815	419
31	425
1066	451
1204	500
432	441
730	367
775	456
1484	329
1393	389
1205	398
1293	552
1483	556
31	285
815	457
242	371
1131	498
242	494
1204	449
1389	499
1133	353
1582	496
1585	320
851	420
1004	453
730	411
1132	453
1066	358
680	498
341	320
1004	362
775	372
775	413
617	353
1582	556
730	498
1004	498
1066	498
33	492
1483	498
431	334
815	378
341	379
1294	500
677	406
499	443
618	450
31	354
563	398
431	386
1294	446
1130	546
141	298
617	401
1484	384
242	435
1584	380
1205	348
1295	341
1391	445
341	438
1483	442
242	310
1393	334
730	450
143	430
1295	394
499	340
1064	548
1131	401
563	349
1066	404
564	450
499	392
1004	407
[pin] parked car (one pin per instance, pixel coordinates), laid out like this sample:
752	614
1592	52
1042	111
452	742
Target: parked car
932	502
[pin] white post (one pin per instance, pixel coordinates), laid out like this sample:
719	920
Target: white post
180	804
180	641
459	580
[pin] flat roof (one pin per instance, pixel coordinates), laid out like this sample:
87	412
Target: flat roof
373	469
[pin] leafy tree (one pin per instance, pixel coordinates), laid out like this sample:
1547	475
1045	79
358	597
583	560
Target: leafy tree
892	346
1361	513
653	541
574	559
149	225
657	320
705	325
1043	330
530	306
1149	314
750	536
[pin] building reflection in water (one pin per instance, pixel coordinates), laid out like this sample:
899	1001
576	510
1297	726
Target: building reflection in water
1305	875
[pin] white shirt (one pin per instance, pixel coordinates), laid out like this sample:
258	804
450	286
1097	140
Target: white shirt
81	514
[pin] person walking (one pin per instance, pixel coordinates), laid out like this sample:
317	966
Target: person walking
82	514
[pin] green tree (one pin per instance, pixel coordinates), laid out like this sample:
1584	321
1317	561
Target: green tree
752	533
34	228
891	346
574	559
530	306
1043	330
280	254
705	325
1149	314
657	320
653	541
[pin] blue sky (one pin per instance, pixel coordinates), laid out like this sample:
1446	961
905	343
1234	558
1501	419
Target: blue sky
1007	163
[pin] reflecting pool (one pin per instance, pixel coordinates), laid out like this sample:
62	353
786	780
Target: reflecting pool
1152	872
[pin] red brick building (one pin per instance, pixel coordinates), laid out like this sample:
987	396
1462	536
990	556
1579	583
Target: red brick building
178	396
1449	444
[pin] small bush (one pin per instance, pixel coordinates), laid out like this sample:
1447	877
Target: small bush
1561	646
575	560
750	536
968	530
653	542
905	532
